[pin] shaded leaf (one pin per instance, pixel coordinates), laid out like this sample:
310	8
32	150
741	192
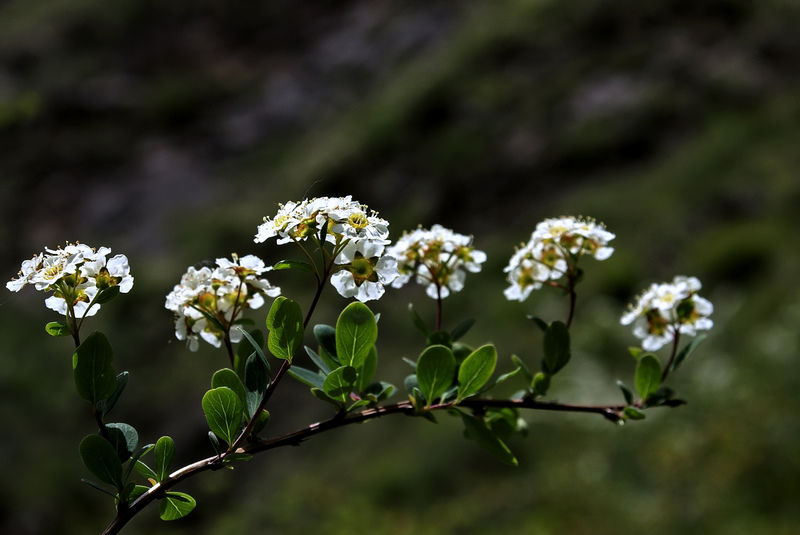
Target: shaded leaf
104	406
285	324
436	370
307	377
687	350
648	375
556	347
326	338
461	329
417	320
124	438
253	342
367	371
477	430
256	382
91	365
100	458
356	332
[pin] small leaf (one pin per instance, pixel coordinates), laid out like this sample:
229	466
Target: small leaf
145	471
556	347
476	370
538	321
380	391
223	411
175	505
307	377
256	382
55	328
253	343
687	350
98	487
294	264
285	324
441	338
124	439
214	442
648	375
461	329
540	384
261	422
523	367
635	352
228	377
134	462
137	491
91	364
324	366
340	382
436	370
356	332
632	413
164	453
104	406
477	430
326	338
100	458
107	294
626	392
417	320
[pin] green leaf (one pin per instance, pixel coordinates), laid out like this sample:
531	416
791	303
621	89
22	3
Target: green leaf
104	406
137	491
55	328
164	453
228	377
326	338
100	458
123	438
687	350
523	367
253	343
98	487
380	391
324	365
261	422
175	505
256	382
321	395
214	442
145	471
556	347
436	369
340	382
294	264
538	321
367	370
635	352
632	413
356	332
307	377
477	430
223	410
134	462
540	384
626	392
106	294
648	375
440	338
417	320
285	324
476	370
461	329
91	365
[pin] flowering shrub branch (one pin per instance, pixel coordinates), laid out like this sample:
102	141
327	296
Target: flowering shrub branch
346	245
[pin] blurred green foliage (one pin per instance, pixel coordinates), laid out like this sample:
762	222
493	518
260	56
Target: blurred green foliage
166	130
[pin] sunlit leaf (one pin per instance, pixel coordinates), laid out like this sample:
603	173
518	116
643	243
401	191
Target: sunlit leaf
356	332
436	370
476	370
175	505
223	410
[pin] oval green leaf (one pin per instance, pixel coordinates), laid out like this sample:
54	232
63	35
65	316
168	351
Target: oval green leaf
356	332
476	370
285	324
256	382
340	382
124	438
91	365
100	458
436	369
228	377
223	410
164	453
648	375
175	505
556	346
55	328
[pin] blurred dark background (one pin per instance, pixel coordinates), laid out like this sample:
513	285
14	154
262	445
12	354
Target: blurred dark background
167	130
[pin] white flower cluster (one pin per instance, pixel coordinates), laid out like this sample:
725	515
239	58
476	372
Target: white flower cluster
75	275
554	248
343	217
221	294
358	234
439	259
666	309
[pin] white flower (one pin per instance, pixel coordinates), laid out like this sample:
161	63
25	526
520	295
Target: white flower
364	272
664	310
222	293
553	250
437	258
75	274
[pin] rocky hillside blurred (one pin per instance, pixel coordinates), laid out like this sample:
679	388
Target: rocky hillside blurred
167	130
